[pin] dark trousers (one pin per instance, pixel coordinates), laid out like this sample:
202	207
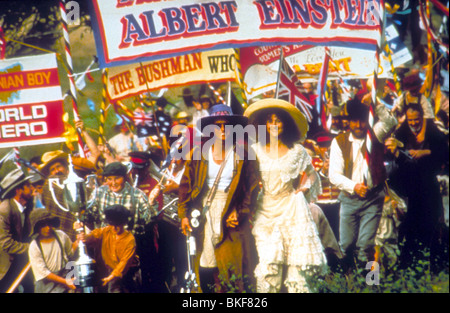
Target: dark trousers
209	279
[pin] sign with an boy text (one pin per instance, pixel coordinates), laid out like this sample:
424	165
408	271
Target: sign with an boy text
130	31
31	103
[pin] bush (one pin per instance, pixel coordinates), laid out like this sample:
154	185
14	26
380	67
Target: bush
417	278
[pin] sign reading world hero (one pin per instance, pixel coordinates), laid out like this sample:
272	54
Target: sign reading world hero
31	104
130	30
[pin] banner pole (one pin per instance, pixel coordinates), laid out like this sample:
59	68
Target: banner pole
73	91
153	106
279	72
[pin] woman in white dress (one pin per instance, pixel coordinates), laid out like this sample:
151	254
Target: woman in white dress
286	236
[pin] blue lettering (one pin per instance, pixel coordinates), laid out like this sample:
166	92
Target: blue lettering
133	29
150	22
192	15
175	23
268	11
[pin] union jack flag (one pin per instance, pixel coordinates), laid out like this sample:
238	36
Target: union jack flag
143	118
288	86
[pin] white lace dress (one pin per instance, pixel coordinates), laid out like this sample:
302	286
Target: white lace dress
284	230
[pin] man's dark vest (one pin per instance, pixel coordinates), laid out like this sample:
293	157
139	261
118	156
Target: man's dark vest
376	160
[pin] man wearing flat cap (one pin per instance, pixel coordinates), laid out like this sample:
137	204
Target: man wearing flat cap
15	207
117	190
55	164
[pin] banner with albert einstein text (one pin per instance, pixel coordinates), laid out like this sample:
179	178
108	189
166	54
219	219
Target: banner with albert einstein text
31	103
130	31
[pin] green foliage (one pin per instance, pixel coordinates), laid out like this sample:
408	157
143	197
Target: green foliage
418	278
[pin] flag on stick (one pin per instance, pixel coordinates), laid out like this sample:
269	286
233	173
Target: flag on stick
288	86
321	100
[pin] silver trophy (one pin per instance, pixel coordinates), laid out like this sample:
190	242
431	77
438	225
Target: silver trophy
75	201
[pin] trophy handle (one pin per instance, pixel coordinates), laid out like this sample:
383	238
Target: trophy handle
93	196
52	181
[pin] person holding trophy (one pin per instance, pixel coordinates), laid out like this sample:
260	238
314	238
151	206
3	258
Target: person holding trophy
117	190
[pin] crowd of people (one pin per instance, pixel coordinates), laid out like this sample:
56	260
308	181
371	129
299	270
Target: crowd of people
267	212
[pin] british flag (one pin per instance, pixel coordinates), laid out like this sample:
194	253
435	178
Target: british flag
143	118
288	86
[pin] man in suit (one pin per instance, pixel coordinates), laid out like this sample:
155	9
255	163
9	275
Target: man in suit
15	206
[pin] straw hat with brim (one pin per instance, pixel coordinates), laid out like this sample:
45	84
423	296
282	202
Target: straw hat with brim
40	218
221	112
83	166
254	111
11	181
51	157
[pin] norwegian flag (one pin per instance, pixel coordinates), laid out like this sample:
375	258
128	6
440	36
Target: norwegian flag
321	86
288	87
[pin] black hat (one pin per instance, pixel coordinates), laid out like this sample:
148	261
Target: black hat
357	110
161	102
117	215
115	169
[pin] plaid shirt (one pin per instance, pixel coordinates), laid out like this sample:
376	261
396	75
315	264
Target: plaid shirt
143	212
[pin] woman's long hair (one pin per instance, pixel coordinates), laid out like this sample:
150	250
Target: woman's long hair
290	134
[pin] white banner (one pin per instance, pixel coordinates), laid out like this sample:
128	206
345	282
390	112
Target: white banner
130	31
196	68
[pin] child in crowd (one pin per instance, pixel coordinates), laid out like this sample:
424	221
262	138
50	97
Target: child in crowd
117	261
49	252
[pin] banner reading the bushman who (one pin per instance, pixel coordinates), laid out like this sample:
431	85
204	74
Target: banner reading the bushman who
195	68
130	31
31	103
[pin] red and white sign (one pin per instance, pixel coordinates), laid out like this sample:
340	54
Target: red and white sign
31	103
130	31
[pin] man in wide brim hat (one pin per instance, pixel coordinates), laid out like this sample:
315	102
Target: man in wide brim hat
11	181
40	218
51	157
254	111
221	112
